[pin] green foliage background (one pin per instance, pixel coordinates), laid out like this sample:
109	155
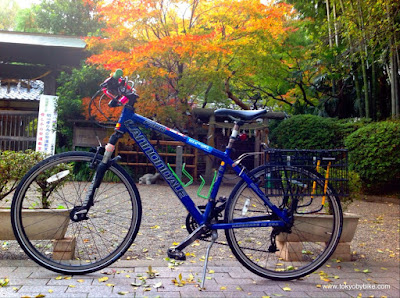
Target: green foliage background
312	132
80	83
374	153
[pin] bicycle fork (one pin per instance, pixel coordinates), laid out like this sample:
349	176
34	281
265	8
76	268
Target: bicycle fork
79	213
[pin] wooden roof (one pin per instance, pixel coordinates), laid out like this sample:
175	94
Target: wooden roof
39	52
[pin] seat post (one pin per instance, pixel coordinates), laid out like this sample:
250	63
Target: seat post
234	134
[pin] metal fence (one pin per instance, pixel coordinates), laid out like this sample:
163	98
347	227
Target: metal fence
18	130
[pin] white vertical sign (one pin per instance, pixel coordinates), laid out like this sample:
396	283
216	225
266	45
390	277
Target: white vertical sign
47	124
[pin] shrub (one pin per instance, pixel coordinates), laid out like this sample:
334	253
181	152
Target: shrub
374	153
305	132
13	166
312	132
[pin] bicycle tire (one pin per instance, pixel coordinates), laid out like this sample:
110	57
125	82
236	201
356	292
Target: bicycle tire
303	250
75	247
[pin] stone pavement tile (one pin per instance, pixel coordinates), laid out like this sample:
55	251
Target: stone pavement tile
27	281
39	272
289	294
169	294
330	294
129	291
168	286
393	292
100	295
9	292
64	295
43	289
271	289
371	293
197	293
225	278
22	272
243	294
5	271
381	280
104	290
226	269
120	272
170	274
386	273
246	274
77	280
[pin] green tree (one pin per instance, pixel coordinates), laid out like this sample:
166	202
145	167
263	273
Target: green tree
357	43
25	21
80	83
76	17
8	11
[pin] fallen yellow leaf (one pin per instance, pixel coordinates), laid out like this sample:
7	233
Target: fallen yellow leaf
102	279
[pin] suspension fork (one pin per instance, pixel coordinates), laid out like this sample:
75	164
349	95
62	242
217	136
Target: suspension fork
79	213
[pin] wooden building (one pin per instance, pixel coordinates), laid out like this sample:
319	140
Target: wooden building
29	66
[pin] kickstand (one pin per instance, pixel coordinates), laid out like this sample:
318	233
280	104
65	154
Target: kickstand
214	237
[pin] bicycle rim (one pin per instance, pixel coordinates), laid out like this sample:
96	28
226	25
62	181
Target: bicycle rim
41	215
314	234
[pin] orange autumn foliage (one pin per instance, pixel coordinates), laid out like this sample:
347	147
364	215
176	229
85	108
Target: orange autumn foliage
175	49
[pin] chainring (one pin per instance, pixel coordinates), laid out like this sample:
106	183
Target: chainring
192	225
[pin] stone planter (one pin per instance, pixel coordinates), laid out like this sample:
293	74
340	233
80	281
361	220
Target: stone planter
309	227
37	220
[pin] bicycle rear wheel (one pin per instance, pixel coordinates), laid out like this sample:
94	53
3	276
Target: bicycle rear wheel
314	234
41	209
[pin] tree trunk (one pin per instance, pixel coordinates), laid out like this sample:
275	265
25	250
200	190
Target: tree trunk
393	70
375	111
394	83
365	83
358	92
328	17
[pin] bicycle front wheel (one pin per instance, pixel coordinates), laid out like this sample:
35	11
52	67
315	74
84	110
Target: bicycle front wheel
304	247
41	210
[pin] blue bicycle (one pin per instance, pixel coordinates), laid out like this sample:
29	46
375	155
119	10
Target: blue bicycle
96	209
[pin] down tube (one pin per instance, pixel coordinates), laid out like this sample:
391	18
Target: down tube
160	165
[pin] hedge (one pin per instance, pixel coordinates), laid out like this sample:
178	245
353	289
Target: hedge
374	153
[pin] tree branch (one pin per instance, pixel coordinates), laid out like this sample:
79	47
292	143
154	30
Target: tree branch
233	97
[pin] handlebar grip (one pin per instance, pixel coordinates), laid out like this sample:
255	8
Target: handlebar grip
118	73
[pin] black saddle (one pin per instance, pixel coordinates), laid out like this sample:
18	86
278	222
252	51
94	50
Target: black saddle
240	114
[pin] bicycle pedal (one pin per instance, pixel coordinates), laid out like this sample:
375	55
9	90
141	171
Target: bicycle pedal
176	254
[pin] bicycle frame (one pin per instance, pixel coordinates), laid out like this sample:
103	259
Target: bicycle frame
129	122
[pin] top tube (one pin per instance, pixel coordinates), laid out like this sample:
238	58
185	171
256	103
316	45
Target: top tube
128	114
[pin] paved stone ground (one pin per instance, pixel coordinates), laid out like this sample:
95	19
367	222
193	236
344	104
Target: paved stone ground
366	277
225	279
